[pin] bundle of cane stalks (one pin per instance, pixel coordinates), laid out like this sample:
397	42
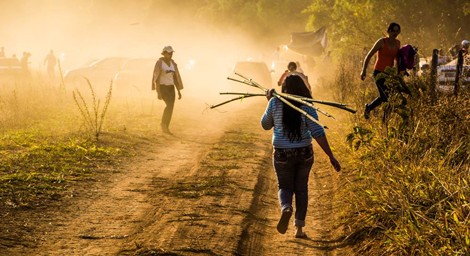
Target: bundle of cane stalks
284	97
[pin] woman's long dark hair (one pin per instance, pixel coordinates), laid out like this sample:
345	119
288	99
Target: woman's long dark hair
291	120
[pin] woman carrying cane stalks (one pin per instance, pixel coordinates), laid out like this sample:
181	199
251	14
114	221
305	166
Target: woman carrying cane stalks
293	153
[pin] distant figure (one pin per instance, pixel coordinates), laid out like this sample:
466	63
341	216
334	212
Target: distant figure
2	52
465	45
466	56
51	62
291	67
292	70
293	153
387	49
24	63
166	78
14	57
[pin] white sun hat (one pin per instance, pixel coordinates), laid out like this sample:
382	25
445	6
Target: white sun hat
167	48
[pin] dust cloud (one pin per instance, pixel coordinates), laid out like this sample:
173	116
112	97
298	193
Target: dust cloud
86	30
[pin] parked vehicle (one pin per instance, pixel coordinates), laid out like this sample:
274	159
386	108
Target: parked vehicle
73	60
446	75
88	63
258	71
100	73
136	74
10	68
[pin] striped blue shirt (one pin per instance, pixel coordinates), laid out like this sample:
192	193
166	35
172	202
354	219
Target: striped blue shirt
273	118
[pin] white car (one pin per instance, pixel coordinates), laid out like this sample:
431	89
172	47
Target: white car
73	60
135	75
100	73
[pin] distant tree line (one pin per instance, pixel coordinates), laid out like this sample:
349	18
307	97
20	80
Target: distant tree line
351	24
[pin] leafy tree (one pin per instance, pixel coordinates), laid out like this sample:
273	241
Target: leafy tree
353	25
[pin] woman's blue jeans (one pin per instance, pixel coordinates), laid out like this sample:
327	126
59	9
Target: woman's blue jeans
292	168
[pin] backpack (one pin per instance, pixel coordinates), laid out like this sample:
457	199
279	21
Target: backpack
406	58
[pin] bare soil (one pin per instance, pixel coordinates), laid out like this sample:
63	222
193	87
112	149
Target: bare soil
208	190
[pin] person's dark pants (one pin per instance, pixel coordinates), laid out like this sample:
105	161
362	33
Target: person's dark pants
292	168
383	97
168	96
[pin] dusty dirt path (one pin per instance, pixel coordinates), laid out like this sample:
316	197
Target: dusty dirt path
260	236
211	190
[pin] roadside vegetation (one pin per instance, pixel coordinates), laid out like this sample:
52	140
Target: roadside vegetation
406	185
406	175
47	144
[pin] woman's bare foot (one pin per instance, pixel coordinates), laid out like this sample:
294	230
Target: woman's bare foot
299	233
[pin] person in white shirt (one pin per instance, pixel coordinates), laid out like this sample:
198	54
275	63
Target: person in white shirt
166	78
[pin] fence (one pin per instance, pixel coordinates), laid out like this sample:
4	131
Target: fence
458	73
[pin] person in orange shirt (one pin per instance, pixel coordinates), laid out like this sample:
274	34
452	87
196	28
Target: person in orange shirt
292	69
387	49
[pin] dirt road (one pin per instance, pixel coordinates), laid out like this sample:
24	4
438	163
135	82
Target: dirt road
208	190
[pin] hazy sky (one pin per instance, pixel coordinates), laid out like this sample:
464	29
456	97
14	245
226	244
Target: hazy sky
114	28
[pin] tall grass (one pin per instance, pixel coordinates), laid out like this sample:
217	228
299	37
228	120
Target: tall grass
408	175
93	120
26	102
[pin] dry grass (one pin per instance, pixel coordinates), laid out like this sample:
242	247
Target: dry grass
408	175
44	150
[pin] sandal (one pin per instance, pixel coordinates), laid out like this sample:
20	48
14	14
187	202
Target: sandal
284	221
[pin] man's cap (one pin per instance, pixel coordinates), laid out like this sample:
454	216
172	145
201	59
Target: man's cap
167	48
465	42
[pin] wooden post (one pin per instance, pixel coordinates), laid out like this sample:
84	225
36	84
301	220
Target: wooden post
433	74
458	71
